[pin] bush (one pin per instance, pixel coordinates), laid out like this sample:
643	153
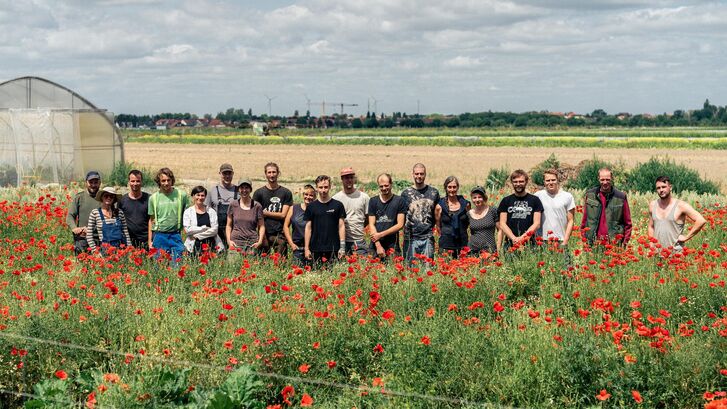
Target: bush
119	176
643	176
497	178
587	176
536	175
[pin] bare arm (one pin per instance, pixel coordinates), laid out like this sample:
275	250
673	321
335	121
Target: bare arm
286	230
150	235
569	225
533	227
699	221
306	239
277	215
651	220
261	233
228	232
342	237
504	229
438	217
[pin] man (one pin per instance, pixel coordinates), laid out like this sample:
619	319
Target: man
386	218
520	213
356	204
135	206
221	196
80	208
276	200
559	210
165	215
667	216
325	230
606	212
420	201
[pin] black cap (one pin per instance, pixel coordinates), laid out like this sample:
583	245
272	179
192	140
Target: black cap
478	189
93	175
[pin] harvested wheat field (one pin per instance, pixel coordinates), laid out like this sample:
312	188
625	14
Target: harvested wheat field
302	163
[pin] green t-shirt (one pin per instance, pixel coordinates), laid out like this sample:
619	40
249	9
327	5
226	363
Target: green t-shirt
167	210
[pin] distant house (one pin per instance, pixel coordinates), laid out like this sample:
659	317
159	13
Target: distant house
166	123
216	123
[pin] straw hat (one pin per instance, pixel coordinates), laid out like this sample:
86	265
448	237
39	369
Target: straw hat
107	190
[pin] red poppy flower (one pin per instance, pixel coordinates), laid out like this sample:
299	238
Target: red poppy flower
61	374
379	349
303	368
637	396
603	395
306	400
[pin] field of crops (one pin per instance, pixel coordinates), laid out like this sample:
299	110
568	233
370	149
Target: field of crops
618	327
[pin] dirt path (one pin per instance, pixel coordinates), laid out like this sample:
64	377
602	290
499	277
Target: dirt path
302	163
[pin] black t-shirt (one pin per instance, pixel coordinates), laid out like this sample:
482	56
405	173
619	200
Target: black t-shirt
520	211
324	219
385	217
273	201
203	219
136	212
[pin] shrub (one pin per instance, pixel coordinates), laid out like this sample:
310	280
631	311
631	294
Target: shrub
536	175
119	176
643	176
587	176
497	178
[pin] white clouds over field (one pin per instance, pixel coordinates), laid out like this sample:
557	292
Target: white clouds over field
141	56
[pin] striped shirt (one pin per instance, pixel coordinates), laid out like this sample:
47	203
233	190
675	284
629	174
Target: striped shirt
94	230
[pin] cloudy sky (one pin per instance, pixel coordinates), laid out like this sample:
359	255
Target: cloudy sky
149	56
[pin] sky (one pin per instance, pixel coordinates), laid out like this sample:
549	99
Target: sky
204	56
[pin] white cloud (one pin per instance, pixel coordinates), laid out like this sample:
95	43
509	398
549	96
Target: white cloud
463	62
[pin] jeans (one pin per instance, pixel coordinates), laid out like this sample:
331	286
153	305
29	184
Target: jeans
358	247
412	247
169	242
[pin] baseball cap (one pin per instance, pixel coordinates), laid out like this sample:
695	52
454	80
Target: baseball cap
226	167
347	171
245	181
93	175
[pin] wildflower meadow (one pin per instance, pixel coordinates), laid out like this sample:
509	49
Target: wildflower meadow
609	326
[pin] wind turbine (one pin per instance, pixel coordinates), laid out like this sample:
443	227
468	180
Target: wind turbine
270	104
376	102
307	101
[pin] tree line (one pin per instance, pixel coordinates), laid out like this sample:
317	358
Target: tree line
708	115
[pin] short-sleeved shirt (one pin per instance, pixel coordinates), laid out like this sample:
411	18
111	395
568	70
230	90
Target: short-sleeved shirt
520	212
356	205
420	205
324	219
220	195
167	210
244	223
555	213
385	215
136	212
273	201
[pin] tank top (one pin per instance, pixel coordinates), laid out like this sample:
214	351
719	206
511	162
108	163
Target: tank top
298	224
668	229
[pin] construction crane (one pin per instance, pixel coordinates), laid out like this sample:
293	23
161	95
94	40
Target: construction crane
335	104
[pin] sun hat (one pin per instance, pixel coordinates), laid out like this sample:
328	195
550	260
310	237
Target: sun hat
107	190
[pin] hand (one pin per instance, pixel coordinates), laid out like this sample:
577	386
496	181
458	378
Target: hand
376	236
380	250
257	245
341	253
564	243
293	247
79	231
231	245
681	239
308	254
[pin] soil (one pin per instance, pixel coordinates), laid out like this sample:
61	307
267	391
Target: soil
302	163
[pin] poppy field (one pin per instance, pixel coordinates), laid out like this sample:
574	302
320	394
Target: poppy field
607	326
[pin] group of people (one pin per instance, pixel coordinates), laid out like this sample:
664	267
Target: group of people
325	227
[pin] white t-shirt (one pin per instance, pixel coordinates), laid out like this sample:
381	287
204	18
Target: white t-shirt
356	205
555	213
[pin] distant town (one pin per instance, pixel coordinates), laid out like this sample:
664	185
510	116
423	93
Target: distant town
708	115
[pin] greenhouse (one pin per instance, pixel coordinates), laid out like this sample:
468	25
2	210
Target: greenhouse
49	133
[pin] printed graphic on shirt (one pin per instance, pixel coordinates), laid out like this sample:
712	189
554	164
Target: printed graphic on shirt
521	209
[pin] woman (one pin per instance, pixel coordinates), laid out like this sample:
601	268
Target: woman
482	220
450	215
106	224
200	224
245	226
294	218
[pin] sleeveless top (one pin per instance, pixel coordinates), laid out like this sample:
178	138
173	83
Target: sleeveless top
668	229
298	224
482	232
